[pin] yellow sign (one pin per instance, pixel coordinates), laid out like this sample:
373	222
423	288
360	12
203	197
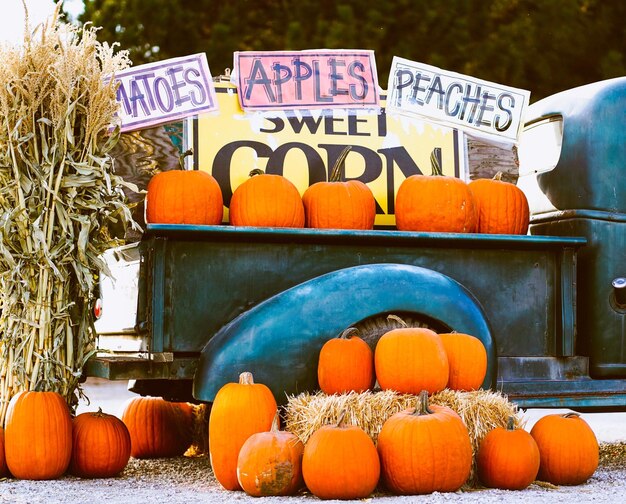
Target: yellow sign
303	147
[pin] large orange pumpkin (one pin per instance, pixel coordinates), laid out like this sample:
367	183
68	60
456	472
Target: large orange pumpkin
507	458
435	203
38	435
158	428
239	410
184	197
346	364
268	201
4	470
424	450
270	463
411	359
100	445
340	462
568	448
339	205
502	206
467	359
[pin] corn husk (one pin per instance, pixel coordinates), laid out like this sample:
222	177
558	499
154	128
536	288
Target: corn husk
480	410
59	201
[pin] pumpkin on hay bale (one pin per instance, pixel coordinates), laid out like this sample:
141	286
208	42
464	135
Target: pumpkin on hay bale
480	410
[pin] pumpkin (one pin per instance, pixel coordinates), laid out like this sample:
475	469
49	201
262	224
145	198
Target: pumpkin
270	463
346	364
435	203
340	462
267	200
339	205
184	197
424	450
239	410
568	449
502	207
38	435
158	428
4	470
507	458
100	445
467	360
411	359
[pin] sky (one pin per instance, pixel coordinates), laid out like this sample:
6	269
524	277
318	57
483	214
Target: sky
12	18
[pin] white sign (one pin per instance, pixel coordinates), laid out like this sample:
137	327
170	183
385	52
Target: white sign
481	108
165	91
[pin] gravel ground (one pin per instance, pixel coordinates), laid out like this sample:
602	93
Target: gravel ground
190	480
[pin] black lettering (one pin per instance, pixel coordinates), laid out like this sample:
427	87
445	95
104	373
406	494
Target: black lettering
417	88
352	72
282	74
258	76
468	98
298	76
485	107
316	79
276	162
329	122
278	123
507	111
353	125
454	86
382	123
335	77
436	88
312	123
400	82
397	156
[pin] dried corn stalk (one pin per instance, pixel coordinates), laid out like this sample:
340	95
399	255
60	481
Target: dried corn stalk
59	202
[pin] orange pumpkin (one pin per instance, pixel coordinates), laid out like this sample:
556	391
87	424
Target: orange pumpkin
38	435
435	203
507	458
158	428
339	205
100	445
346	364
267	200
340	462
239	410
424	450
502	207
184	197
4	470
467	360
270	463
411	359
568	448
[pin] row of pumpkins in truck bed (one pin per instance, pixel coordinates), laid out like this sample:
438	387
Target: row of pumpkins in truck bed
430	203
421	449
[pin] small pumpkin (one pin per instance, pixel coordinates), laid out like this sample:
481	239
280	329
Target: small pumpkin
467	360
270	463
100	445
184	197
435	203
568	448
424	450
158	428
340	462
4	470
38	435
502	207
267	200
346	364
411	359
338	204
239	410
507	458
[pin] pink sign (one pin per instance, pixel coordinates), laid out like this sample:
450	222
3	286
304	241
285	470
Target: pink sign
280	80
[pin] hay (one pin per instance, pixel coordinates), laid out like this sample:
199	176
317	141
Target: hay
481	411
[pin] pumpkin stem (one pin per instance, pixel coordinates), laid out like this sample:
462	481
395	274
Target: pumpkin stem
342	416
571	414
335	175
498	176
391	316
181	158
422	404
435	161
349	331
275	423
510	423
256	171
246	378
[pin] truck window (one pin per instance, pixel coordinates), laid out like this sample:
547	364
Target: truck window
540	145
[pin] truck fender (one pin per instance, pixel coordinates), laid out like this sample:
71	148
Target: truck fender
279	339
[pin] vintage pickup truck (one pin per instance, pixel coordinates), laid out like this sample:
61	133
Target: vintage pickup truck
550	307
